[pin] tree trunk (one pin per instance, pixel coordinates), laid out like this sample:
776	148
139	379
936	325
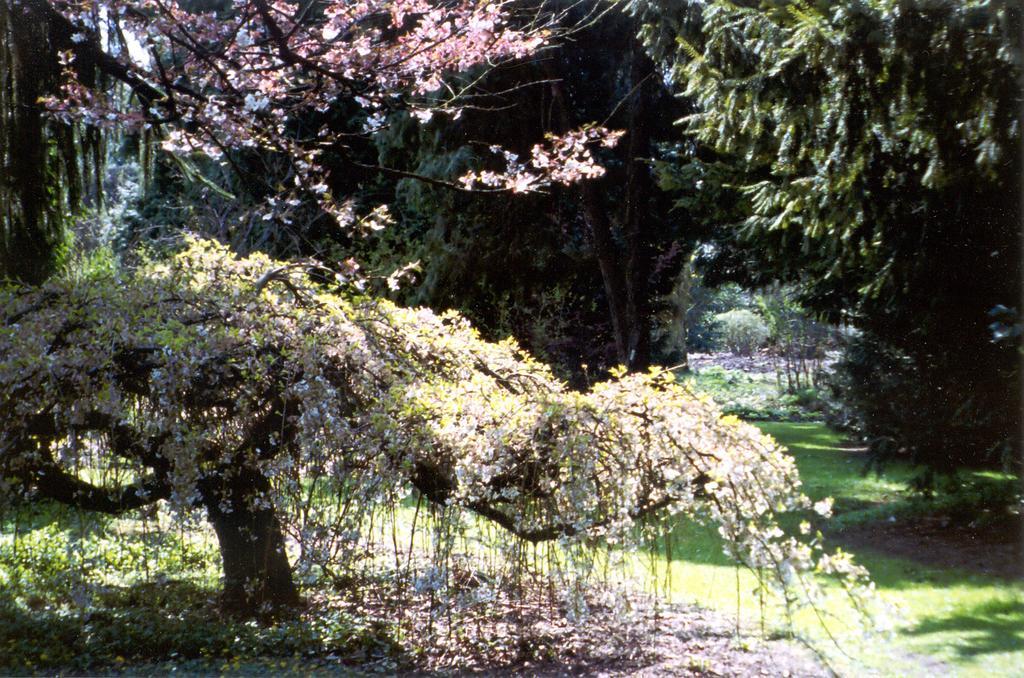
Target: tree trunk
615	286
636	229
626	267
30	222
252	548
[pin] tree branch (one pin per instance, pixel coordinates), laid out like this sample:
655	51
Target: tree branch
53	482
89	50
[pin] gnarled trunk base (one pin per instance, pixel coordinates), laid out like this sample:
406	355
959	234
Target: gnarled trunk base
257	574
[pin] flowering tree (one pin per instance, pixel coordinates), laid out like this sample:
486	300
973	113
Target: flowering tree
243	388
253	75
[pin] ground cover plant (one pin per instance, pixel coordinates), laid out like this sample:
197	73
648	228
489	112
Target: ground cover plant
754	396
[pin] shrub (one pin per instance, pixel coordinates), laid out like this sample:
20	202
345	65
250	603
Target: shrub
906	408
741	331
287	410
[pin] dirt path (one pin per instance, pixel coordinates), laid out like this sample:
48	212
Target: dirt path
671	641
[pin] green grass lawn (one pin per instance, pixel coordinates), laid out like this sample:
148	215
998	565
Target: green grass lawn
947	621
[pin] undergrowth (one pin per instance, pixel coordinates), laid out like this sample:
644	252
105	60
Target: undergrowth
755	396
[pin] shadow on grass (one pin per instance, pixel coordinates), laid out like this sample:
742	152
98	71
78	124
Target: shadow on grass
176	623
995	626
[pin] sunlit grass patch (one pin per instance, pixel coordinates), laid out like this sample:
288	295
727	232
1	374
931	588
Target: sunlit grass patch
948	620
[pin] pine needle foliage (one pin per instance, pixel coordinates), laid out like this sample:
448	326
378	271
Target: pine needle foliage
874	150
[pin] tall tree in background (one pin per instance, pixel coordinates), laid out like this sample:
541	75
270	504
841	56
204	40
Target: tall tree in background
46	163
622	234
590	260
875	148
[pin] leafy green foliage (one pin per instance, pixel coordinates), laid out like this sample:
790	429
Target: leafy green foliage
89	594
755	397
874	146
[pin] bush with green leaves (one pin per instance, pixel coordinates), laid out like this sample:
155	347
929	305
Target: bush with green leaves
697	304
741	331
287	412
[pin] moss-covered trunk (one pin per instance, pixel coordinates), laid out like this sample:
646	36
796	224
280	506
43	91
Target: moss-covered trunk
31	218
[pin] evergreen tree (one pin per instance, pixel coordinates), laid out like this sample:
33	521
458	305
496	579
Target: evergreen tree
873	148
